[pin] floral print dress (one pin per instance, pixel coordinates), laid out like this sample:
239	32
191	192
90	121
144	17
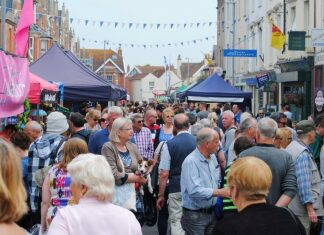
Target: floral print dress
61	196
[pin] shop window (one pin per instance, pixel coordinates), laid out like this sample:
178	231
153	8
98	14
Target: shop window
43	46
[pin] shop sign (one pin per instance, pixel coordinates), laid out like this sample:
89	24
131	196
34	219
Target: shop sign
262	78
48	96
319	101
296	41
319	58
318	37
239	53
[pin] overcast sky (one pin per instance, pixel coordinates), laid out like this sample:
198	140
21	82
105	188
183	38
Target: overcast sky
146	11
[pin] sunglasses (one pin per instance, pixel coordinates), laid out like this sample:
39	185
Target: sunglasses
96	120
102	120
140	121
169	116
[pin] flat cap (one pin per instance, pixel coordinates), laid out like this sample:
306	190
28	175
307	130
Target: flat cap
305	126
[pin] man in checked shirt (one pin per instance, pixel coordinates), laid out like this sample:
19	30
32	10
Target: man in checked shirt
142	136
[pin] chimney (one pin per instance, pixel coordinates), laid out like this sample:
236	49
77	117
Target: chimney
120	52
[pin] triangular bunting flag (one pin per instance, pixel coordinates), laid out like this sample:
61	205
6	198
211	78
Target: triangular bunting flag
116	24
184	25
171	26
210	23
198	25
178	25
130	25
101	23
93	23
108	24
86	22
151	26
191	24
144	25
123	25
157	26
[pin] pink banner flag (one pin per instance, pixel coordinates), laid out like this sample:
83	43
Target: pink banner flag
14	84
25	20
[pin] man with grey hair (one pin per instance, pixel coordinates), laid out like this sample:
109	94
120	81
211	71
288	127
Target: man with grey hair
200	181
33	129
173	154
247	128
229	125
142	136
98	139
307	204
284	185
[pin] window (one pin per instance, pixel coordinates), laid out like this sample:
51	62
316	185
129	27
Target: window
293	18
109	78
43	46
151	85
114	58
31	46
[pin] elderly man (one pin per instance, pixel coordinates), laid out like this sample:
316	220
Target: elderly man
248	129
200	181
98	139
229	125
284	185
142	136
33	129
174	153
150	118
307	204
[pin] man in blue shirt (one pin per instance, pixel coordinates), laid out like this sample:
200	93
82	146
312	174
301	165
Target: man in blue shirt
200	182
98	139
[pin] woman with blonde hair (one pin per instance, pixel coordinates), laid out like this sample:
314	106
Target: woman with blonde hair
12	192
165	132
213	118
56	192
283	138
92	118
93	189
123	157
249	192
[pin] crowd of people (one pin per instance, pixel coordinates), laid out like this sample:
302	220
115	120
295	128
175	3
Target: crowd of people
188	168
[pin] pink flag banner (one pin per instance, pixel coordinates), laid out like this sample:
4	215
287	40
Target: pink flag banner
25	20
14	84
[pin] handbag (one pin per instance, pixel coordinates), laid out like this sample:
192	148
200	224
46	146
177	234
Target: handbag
125	194
155	171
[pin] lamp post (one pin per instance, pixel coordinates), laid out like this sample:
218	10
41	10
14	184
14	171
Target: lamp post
104	60
3	24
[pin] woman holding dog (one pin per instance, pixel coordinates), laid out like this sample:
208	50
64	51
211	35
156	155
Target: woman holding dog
123	157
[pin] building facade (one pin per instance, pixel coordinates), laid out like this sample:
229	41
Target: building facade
288	71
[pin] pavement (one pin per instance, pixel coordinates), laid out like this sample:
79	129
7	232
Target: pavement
150	230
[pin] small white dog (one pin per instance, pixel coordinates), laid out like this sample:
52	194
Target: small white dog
144	168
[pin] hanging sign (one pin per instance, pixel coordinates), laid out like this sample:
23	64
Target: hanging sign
48	96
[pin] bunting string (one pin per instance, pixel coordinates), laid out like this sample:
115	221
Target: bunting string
121	25
149	45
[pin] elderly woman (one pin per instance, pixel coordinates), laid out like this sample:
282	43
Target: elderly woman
165	132
92	189
56	192
122	155
12	192
249	192
92	118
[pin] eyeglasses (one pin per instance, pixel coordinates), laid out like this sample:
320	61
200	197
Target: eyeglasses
96	120
261	113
